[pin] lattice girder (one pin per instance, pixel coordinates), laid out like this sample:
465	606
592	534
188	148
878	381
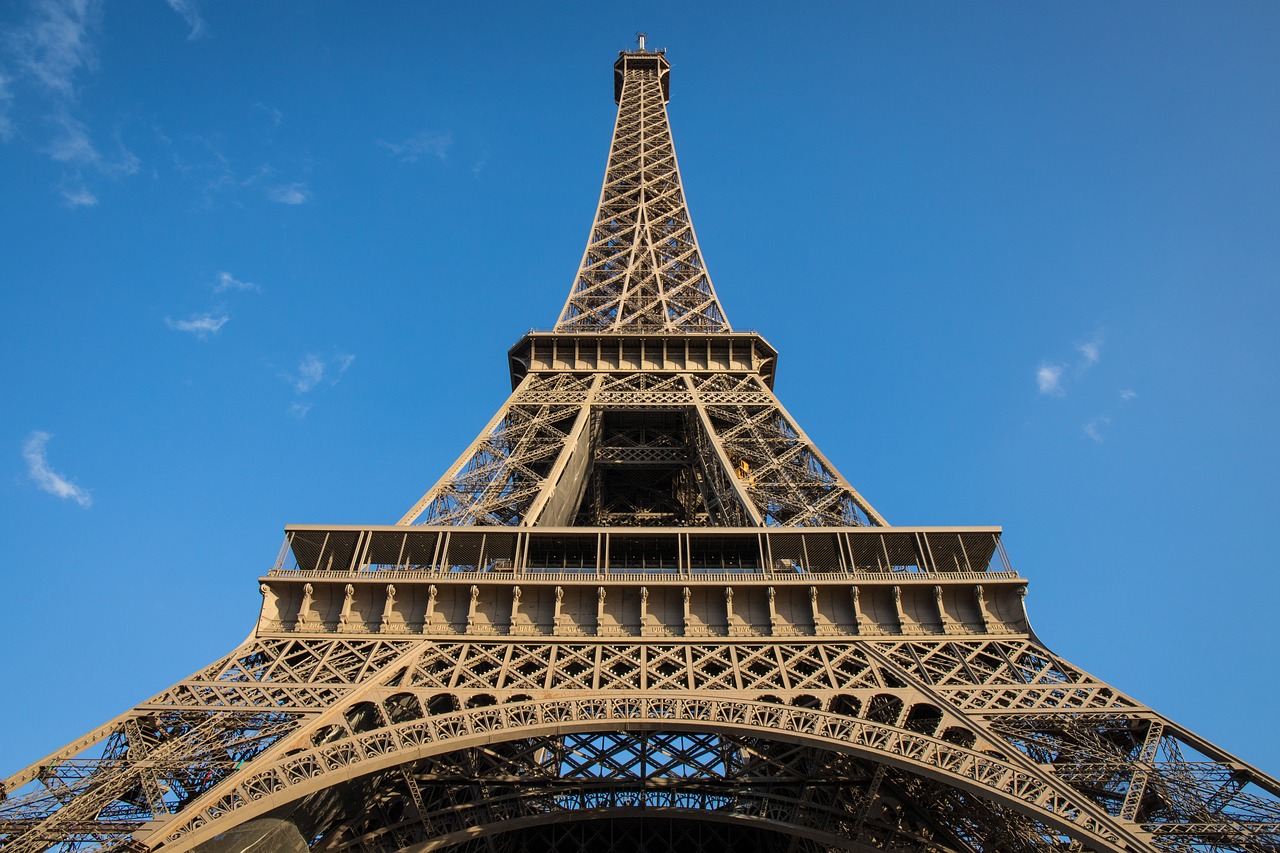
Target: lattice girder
755	464
566	778
885	701
500	476
154	760
304	770
642	268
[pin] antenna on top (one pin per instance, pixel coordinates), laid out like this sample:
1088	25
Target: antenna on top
640	37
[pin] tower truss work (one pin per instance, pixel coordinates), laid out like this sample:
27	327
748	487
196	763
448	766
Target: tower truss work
641	612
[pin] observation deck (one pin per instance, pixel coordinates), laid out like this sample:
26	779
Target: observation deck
705	353
632	581
653	62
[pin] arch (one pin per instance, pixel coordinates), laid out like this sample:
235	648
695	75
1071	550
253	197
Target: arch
923	717
884	708
443	703
363	717
567	802
806	700
845	705
959	736
402	707
279	780
327	734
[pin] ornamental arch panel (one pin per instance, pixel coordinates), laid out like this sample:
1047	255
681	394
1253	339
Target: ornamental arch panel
1005	783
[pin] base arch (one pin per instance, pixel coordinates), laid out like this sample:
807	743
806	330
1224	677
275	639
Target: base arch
302	769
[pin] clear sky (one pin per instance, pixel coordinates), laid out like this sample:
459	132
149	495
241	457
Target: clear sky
260	264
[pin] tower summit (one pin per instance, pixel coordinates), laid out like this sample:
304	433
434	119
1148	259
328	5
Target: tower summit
642	268
642	611
642	407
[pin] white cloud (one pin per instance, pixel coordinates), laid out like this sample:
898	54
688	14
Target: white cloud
1049	378
1128	394
299	410
48	480
426	142
226	281
296	193
55	43
312	370
80	197
6	102
1093	428
190	12
200	325
1054	378
51	51
73	147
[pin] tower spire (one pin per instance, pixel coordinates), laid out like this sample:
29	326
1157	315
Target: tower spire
642	269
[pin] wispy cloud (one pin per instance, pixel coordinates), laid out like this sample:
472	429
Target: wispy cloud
55	43
312	370
190	12
73	147
48	55
48	480
427	142
1049	378
208	163
80	197
226	281
200	325
211	322
6	104
295	193
1057	378
1053	378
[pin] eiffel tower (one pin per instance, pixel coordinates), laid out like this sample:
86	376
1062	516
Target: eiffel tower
642	612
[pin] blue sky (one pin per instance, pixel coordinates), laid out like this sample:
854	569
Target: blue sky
261	264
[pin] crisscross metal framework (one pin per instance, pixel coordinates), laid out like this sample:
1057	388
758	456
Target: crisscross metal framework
641	612
642	268
960	744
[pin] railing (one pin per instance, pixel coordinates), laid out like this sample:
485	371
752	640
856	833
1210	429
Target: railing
533	576
713	554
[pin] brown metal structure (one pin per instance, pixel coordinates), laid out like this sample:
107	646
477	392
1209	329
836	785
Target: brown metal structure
641	612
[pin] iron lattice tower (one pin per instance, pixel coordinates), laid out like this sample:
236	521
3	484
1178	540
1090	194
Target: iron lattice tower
641	612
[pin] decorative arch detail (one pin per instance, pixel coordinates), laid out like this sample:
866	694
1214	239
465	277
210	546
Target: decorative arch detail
304	767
